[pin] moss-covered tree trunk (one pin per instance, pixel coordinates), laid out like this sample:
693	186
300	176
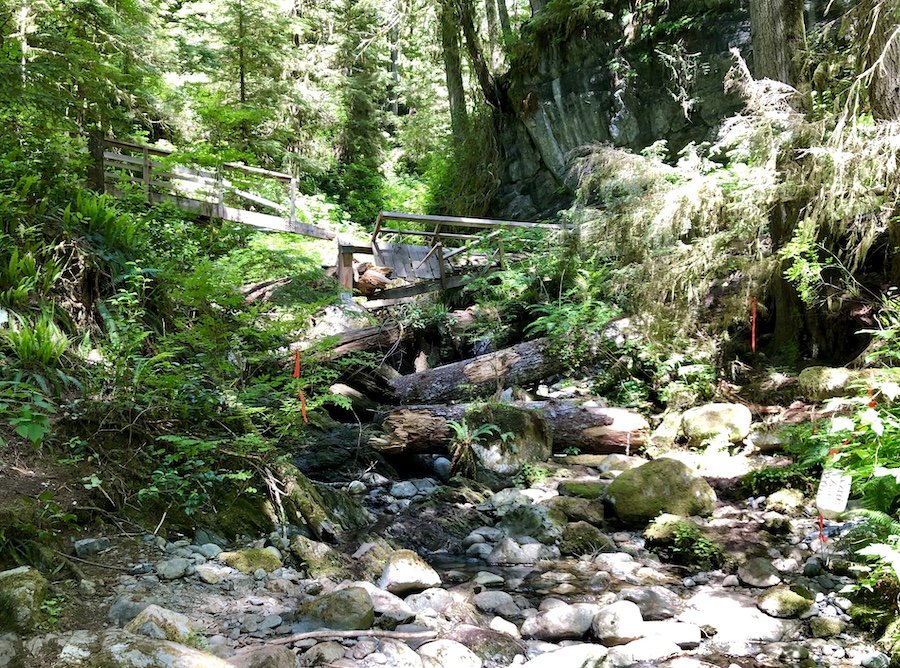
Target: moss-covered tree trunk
883	55
456	92
779	40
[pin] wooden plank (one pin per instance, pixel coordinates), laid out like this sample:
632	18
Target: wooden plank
390	255
376	304
418	233
465	221
259	171
136	147
256	199
461	249
345	268
424	287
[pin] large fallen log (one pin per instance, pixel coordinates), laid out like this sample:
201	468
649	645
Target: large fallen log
591	429
480	376
381	338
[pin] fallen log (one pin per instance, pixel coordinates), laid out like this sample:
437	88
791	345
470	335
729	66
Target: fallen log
380	338
590	428
480	376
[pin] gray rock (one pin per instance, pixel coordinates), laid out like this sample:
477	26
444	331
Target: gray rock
209	550
120	649
10	647
496	602
618	623
654	602
404	490
448	654
407	572
487	579
388	607
392	654
442	468
172	569
88	546
561	622
759	572
479	551
125	609
582	655
431	602
509	552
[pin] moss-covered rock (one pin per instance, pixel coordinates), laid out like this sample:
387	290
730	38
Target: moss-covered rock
660	486
685	543
328	512
22	591
582	538
349	608
543	523
818	383
786	500
577	509
784	602
732	421
318	559
249	560
826	627
163	624
243	515
583	489
526	438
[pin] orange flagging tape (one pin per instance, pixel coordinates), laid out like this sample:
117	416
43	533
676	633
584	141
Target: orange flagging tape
300	395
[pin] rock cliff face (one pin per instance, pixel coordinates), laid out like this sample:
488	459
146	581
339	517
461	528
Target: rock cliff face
588	89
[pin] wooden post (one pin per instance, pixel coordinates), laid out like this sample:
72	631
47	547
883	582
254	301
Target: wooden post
97	172
292	214
220	192
145	173
502	254
441	267
345	266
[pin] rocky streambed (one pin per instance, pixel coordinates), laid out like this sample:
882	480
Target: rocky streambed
564	572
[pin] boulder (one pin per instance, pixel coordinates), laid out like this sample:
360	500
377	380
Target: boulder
120	649
349	608
392	654
787	501
655	602
641	652
496	602
583	656
826	627
582	538
10	649
541	522
172	569
407	572
577	509
163	624
323	654
712	420
526	439
758	572
618	623
493	647
660	486
249	560
561	622
818	383
390	609
448	654
327	511
784	602
583	489
22	591
686	636
509	552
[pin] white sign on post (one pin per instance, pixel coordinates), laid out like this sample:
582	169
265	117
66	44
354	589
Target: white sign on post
834	492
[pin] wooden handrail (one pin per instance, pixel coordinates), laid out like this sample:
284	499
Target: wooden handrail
462	221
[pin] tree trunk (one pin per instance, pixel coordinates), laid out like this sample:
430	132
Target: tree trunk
883	53
490	10
486	80
395	69
381	338
242	63
96	176
572	425
537	5
453	69
779	40
503	13
480	376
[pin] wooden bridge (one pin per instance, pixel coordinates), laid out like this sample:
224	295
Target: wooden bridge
458	248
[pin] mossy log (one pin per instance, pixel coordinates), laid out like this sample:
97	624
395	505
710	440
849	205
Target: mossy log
480	376
425	428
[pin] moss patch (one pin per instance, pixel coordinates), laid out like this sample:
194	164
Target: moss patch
583	489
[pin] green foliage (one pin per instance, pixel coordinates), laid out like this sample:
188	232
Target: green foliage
462	457
530	475
29	531
768	480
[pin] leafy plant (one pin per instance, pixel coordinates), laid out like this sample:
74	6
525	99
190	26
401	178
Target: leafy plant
462	457
530	475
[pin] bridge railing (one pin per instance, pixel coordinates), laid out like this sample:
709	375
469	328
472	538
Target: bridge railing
232	191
